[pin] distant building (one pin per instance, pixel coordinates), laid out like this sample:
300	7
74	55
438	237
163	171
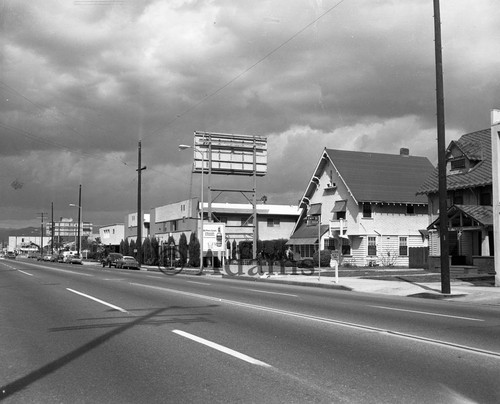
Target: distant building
273	221
130	227
27	244
364	206
68	228
111	236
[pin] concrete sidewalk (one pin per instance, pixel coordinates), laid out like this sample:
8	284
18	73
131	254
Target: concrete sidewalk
460	291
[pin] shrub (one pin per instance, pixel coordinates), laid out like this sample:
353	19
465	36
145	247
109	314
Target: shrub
306	263
325	258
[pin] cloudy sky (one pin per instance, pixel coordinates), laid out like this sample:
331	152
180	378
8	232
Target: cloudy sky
82	81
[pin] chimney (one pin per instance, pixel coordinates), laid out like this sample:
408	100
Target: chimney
404	151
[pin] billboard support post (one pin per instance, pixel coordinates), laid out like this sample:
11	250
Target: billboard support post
229	154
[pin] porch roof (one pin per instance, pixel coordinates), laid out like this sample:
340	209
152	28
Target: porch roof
467	216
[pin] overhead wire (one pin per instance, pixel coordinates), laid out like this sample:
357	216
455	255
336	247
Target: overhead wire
245	71
178	116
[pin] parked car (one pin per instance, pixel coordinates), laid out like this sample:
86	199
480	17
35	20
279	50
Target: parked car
50	257
10	255
76	259
127	262
110	260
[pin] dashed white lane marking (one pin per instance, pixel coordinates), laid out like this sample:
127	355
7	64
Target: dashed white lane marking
26	273
98	300
331	321
222	348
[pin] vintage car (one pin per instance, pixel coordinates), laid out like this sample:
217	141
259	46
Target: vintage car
127	262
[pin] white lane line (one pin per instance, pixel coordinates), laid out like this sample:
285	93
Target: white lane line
272	293
98	300
427	313
331	321
200	283
222	348
26	273
57	269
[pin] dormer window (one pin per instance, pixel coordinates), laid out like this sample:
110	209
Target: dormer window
457	164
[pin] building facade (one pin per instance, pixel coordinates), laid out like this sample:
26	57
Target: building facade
111	236
469	202
364	206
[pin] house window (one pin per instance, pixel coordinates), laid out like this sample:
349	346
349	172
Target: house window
403	246
329	244
485	199
458	200
410	209
340	215
457	164
367	210
247	221
346	246
372	245
271	222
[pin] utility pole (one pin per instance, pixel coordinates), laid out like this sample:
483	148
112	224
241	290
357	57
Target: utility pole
52	227
443	208
139	211
42	214
79	219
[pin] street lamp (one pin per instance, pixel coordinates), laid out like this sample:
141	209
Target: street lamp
79	247
184	147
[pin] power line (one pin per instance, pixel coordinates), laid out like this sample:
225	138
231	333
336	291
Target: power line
267	55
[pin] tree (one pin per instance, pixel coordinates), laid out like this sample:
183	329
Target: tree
147	252
245	247
194	250
132	248
183	249
234	255
155	250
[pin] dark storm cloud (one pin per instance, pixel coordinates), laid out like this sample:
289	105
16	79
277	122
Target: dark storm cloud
81	85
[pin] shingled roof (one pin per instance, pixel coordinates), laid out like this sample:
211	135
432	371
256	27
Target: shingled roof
475	146
379	177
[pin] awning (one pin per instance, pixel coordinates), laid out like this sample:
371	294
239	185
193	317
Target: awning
302	241
340	206
314	210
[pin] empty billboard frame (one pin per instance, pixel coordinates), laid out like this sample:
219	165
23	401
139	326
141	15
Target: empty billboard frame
228	154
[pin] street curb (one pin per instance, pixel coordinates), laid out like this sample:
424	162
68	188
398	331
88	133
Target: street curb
287	282
436	296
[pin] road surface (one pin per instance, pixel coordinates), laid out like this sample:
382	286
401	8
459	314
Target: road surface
75	334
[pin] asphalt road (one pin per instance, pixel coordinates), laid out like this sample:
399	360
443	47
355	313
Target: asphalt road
78	334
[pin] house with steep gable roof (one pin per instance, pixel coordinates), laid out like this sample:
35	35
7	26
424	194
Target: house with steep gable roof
469	201
364	206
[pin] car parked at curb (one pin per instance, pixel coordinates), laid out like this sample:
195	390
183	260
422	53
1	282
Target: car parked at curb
76	259
127	262
110	260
